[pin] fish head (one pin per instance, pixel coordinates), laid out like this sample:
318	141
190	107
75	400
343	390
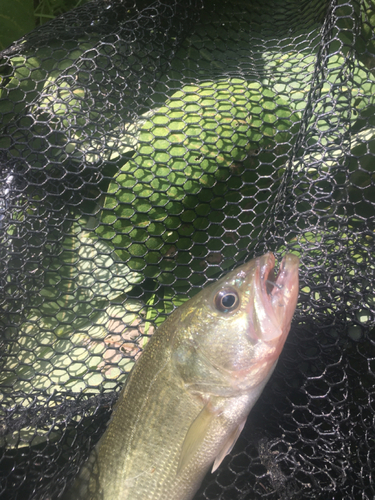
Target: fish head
231	333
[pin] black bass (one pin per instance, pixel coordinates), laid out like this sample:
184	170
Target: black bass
188	397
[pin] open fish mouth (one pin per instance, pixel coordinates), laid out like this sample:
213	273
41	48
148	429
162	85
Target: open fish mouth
275	295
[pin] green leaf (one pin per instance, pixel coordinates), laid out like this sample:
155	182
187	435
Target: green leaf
156	209
16	19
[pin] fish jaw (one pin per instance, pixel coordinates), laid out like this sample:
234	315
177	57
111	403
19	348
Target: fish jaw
275	300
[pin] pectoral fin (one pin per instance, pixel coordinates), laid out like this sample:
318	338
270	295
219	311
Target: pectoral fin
228	445
195	435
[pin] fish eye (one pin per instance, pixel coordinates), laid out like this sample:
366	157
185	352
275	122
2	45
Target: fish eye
227	300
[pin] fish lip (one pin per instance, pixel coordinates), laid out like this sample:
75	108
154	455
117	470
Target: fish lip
276	304
287	275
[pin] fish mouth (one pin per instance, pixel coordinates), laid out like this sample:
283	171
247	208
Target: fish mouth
275	296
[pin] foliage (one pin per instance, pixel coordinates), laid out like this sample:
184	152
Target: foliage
18	17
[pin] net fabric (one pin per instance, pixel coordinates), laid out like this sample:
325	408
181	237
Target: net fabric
145	149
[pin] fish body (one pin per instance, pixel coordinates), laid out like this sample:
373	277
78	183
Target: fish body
187	398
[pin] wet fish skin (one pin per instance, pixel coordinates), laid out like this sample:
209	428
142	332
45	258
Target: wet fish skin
188	397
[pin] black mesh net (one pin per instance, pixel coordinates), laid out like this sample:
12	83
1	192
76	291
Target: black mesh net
145	149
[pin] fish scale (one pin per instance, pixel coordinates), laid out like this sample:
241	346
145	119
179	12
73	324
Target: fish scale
187	398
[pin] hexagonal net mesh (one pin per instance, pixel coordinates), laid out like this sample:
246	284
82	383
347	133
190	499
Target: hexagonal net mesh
146	148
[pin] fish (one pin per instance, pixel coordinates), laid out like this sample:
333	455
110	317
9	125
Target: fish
189	394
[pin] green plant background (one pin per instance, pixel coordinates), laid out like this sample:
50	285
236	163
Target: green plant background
18	17
193	181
